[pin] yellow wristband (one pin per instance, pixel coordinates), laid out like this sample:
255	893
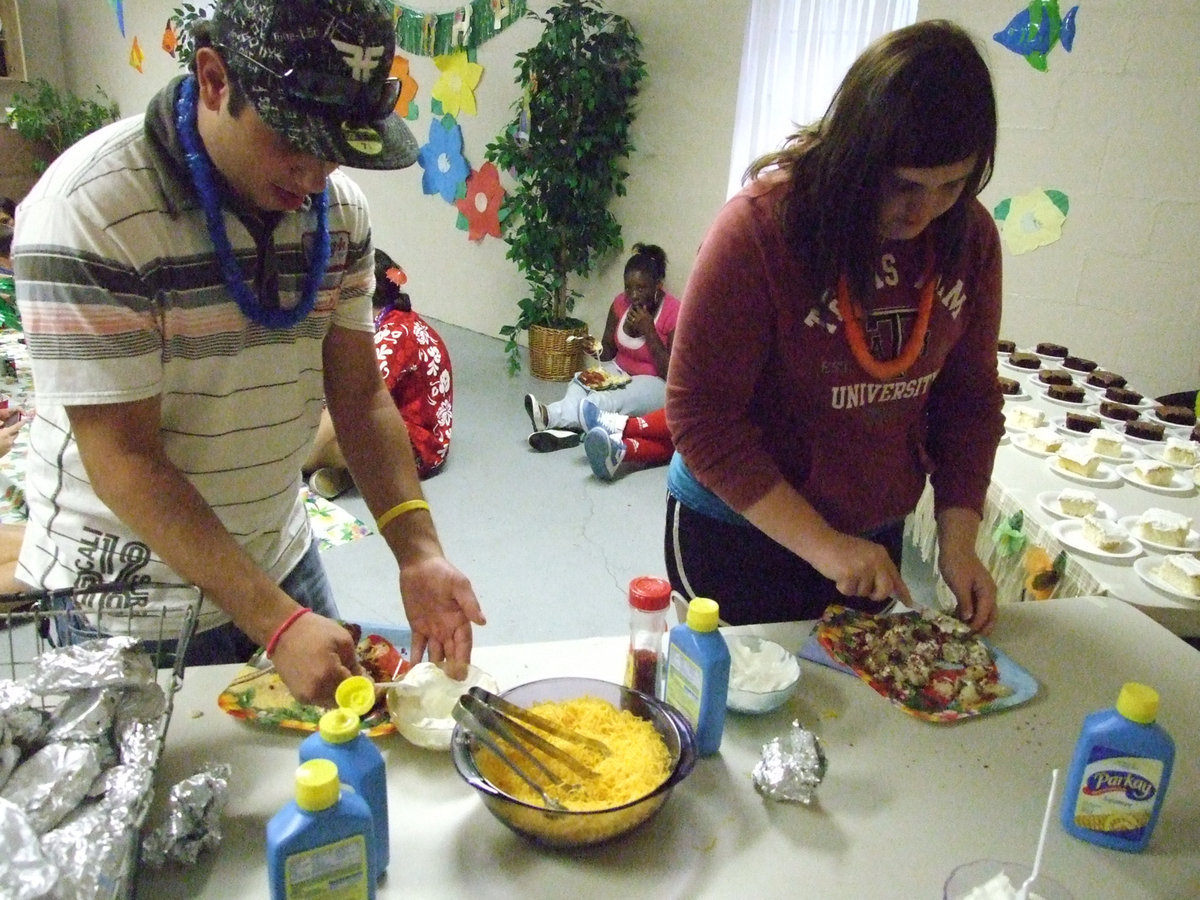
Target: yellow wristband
397	511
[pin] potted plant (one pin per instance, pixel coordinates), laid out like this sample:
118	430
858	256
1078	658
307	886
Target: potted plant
564	149
54	119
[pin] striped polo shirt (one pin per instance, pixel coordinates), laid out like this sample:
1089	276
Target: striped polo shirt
122	299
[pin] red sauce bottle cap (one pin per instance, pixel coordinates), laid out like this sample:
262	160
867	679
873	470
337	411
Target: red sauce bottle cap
649	594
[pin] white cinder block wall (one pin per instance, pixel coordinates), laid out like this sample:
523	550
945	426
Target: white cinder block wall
1113	124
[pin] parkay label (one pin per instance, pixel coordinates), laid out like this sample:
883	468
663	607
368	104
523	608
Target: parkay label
1130	784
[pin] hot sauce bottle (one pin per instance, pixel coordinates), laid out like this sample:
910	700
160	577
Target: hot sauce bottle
648	601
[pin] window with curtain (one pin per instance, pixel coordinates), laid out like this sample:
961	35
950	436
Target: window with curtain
793	58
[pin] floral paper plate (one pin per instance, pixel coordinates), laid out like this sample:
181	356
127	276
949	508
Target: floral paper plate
257	694
945	695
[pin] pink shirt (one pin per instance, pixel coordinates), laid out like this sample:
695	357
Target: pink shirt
632	355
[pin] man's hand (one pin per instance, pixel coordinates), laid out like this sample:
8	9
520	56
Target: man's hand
313	657
440	606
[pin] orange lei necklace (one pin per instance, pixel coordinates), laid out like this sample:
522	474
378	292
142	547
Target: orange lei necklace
853	316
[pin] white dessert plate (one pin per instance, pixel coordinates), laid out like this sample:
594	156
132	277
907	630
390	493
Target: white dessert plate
1171	426
1104	473
1070	532
1022	394
1147	569
1180	483
1191	544
1128	454
1021	442
1150	442
1157	451
1048	500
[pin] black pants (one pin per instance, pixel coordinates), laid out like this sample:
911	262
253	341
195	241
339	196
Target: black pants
752	578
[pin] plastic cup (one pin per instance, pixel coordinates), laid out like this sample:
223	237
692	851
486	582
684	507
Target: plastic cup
983	876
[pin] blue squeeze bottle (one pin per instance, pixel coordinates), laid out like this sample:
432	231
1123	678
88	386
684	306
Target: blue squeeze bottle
1119	773
360	764
698	673
319	845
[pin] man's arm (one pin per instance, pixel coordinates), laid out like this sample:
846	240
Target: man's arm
121	449
439	602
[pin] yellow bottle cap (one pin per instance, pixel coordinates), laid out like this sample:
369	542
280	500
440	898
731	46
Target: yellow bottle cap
357	694
1138	703
702	614
339	725
317	785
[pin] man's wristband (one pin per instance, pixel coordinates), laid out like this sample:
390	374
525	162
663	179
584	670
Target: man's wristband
284	626
397	511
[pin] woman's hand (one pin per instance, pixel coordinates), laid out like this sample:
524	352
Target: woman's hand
639	321
860	568
963	571
8	433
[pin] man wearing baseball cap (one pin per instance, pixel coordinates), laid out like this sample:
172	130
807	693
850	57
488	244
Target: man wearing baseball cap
192	283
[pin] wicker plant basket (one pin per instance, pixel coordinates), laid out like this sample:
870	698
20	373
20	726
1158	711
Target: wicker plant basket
551	356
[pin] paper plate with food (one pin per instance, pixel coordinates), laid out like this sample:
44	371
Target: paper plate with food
602	380
927	663
257	693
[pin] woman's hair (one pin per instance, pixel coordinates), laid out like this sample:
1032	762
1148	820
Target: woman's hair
918	97
650	259
387	292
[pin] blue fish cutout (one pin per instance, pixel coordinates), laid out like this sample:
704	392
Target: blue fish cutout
1035	30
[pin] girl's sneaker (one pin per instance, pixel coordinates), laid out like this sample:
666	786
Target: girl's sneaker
604	451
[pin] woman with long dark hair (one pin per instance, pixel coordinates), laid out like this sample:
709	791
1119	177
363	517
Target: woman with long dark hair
836	347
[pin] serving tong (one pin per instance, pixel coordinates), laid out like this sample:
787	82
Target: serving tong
488	716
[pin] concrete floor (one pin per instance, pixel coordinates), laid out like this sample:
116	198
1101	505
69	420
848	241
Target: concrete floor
549	548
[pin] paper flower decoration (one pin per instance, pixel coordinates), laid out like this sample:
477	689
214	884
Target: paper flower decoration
136	56
481	206
442	159
455	90
1009	535
170	40
405	108
1042	573
1032	220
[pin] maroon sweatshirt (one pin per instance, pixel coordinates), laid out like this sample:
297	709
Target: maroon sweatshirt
763	384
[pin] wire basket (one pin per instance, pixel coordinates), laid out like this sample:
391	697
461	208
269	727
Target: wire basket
161	615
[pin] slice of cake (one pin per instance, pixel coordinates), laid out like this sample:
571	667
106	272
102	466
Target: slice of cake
1176	415
1068	393
1078	459
1047	349
1005	346
1119	411
1010	387
1028	418
1044	440
1182	572
1123	395
1146	431
1181	452
1164	527
1082	422
1078	364
1025	360
1077	503
1104	533
1055	376
1105	379
1107	443
1154	471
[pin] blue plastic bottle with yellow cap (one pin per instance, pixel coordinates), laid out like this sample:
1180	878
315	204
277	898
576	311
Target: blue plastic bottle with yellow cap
698	673
360	764
320	845
1119	773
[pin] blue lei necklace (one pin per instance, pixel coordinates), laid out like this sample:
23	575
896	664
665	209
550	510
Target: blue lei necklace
200	167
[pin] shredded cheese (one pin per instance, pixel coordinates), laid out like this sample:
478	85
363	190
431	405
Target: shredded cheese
638	763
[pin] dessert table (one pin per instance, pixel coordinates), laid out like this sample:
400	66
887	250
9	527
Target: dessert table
1019	477
903	803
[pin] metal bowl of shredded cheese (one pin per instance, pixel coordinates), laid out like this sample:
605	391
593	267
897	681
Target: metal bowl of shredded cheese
652	749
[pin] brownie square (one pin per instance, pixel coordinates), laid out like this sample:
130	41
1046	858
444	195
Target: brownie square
1083	422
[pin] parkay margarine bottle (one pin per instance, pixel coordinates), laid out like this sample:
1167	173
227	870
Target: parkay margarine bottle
698	673
1119	774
